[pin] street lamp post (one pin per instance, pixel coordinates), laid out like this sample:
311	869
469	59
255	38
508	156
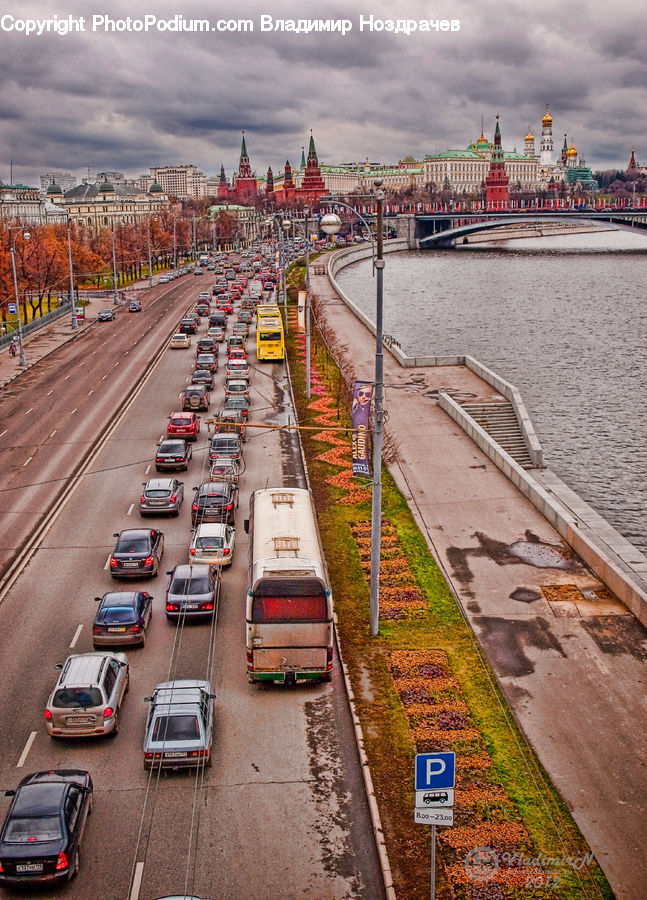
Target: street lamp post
21	359
331	224
150	256
75	322
114	270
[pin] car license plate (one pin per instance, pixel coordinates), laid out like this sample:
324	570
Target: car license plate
177	754
119	630
189	606
80	720
130	565
22	868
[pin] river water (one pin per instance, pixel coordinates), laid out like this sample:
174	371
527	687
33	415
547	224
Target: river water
564	318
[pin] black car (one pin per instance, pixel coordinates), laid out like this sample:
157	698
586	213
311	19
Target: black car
202	309
187	326
218	318
122	618
225	445
173	454
106	315
42	832
195	396
241	403
134	306
214	501
207	361
137	553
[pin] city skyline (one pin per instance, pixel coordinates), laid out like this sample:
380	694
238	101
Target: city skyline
129	100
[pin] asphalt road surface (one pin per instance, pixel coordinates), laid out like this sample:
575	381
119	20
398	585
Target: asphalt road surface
282	812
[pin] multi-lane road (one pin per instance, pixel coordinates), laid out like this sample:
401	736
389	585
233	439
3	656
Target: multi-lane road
282	812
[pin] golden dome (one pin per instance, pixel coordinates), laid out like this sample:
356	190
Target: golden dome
547	119
571	151
530	136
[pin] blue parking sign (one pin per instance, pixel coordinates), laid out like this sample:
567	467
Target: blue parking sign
11	308
435	771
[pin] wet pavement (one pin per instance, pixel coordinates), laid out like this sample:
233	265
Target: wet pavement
569	656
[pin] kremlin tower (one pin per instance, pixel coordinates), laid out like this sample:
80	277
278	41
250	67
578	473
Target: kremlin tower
546	154
288	182
496	183
312	185
269	189
223	185
244	186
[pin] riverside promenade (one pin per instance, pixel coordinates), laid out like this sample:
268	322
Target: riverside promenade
570	658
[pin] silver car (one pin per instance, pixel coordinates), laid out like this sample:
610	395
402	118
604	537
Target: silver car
213	543
161	495
179	728
88	695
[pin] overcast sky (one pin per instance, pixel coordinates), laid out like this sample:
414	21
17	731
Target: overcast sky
126	101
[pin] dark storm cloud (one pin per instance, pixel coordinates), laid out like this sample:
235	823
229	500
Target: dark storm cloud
129	101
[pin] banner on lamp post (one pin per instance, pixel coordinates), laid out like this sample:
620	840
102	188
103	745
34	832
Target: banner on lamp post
301	313
361	413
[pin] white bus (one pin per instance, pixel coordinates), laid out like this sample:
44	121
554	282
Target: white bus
289	602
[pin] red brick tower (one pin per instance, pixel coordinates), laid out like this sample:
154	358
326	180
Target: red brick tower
312	186
496	183
223	185
244	180
288	184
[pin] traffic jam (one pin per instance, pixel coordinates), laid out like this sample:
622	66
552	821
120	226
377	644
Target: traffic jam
44	826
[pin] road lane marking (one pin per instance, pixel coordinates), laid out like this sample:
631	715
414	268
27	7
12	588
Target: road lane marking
67	376
27	461
137	881
130	509
4	432
115	365
74	410
31	409
76	637
107	565
148	468
90	392
23	755
53	432
161	438
50	392
104	378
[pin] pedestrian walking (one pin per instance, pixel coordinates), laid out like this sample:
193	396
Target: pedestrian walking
12	347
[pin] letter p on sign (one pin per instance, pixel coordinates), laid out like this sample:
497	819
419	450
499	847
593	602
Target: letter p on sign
435	771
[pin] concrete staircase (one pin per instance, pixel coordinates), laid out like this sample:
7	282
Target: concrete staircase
499	419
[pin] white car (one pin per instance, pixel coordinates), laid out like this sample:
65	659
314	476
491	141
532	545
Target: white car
180	342
213	544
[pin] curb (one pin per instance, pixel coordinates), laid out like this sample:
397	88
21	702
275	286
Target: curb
376	822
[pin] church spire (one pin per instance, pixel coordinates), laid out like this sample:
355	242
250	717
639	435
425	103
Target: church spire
303	157
312	153
243	149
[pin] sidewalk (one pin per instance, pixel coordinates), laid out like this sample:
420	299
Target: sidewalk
573	672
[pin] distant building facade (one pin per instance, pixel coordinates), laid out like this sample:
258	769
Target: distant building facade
181	181
107	205
25	205
64	180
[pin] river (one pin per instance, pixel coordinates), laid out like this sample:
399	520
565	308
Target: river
564	318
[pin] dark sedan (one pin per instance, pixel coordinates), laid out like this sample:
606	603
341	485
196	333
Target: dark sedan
207	360
192	591
214	501
202	376
122	618
241	403
43	829
172	455
137	553
106	315
225	445
187	326
207	345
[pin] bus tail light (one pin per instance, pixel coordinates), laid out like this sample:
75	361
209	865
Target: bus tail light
328	659
250	659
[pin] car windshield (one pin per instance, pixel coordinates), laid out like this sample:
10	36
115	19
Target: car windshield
32	829
156	495
181	421
210	543
192	585
118	615
132	545
73	697
176	728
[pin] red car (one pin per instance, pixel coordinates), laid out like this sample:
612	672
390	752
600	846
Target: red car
236	353
226	307
184	424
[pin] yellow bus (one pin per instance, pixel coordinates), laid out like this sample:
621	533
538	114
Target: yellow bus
289	609
270	340
267	309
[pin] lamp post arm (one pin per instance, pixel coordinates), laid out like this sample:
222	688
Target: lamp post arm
334	200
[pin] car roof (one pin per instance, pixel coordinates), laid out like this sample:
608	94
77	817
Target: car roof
215	487
120	598
197	570
182	415
159	484
210	529
135	532
39	798
83	668
181	691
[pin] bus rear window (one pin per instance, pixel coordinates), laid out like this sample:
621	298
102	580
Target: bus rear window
269	335
289	609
